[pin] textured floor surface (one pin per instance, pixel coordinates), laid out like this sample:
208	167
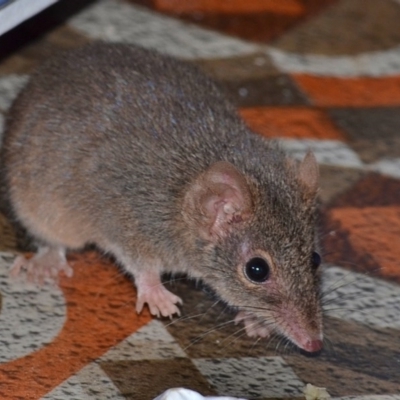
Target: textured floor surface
320	74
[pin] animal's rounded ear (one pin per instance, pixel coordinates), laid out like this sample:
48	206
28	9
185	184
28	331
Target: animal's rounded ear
308	173
217	201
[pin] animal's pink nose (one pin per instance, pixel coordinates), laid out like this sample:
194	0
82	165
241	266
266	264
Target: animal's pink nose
313	345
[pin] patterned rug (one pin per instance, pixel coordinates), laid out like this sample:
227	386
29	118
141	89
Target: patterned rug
320	74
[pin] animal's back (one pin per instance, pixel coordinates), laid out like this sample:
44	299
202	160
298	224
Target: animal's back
113	123
117	99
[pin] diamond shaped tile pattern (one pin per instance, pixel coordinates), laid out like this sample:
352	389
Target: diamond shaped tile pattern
251	377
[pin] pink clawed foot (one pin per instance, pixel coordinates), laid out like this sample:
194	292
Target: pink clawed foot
151	291
253	326
45	265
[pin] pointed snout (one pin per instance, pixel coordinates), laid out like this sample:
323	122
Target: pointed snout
312	346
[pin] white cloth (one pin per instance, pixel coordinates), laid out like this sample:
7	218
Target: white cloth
186	394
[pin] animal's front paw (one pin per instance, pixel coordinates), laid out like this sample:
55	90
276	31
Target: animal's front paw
161	301
253	325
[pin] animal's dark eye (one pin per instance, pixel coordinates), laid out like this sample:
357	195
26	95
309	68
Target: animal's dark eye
315	260
257	270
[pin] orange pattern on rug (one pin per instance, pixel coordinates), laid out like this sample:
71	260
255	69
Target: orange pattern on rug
99	316
291	122
352	92
290	7
374	231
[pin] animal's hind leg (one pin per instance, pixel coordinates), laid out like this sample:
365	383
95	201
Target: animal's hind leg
45	265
